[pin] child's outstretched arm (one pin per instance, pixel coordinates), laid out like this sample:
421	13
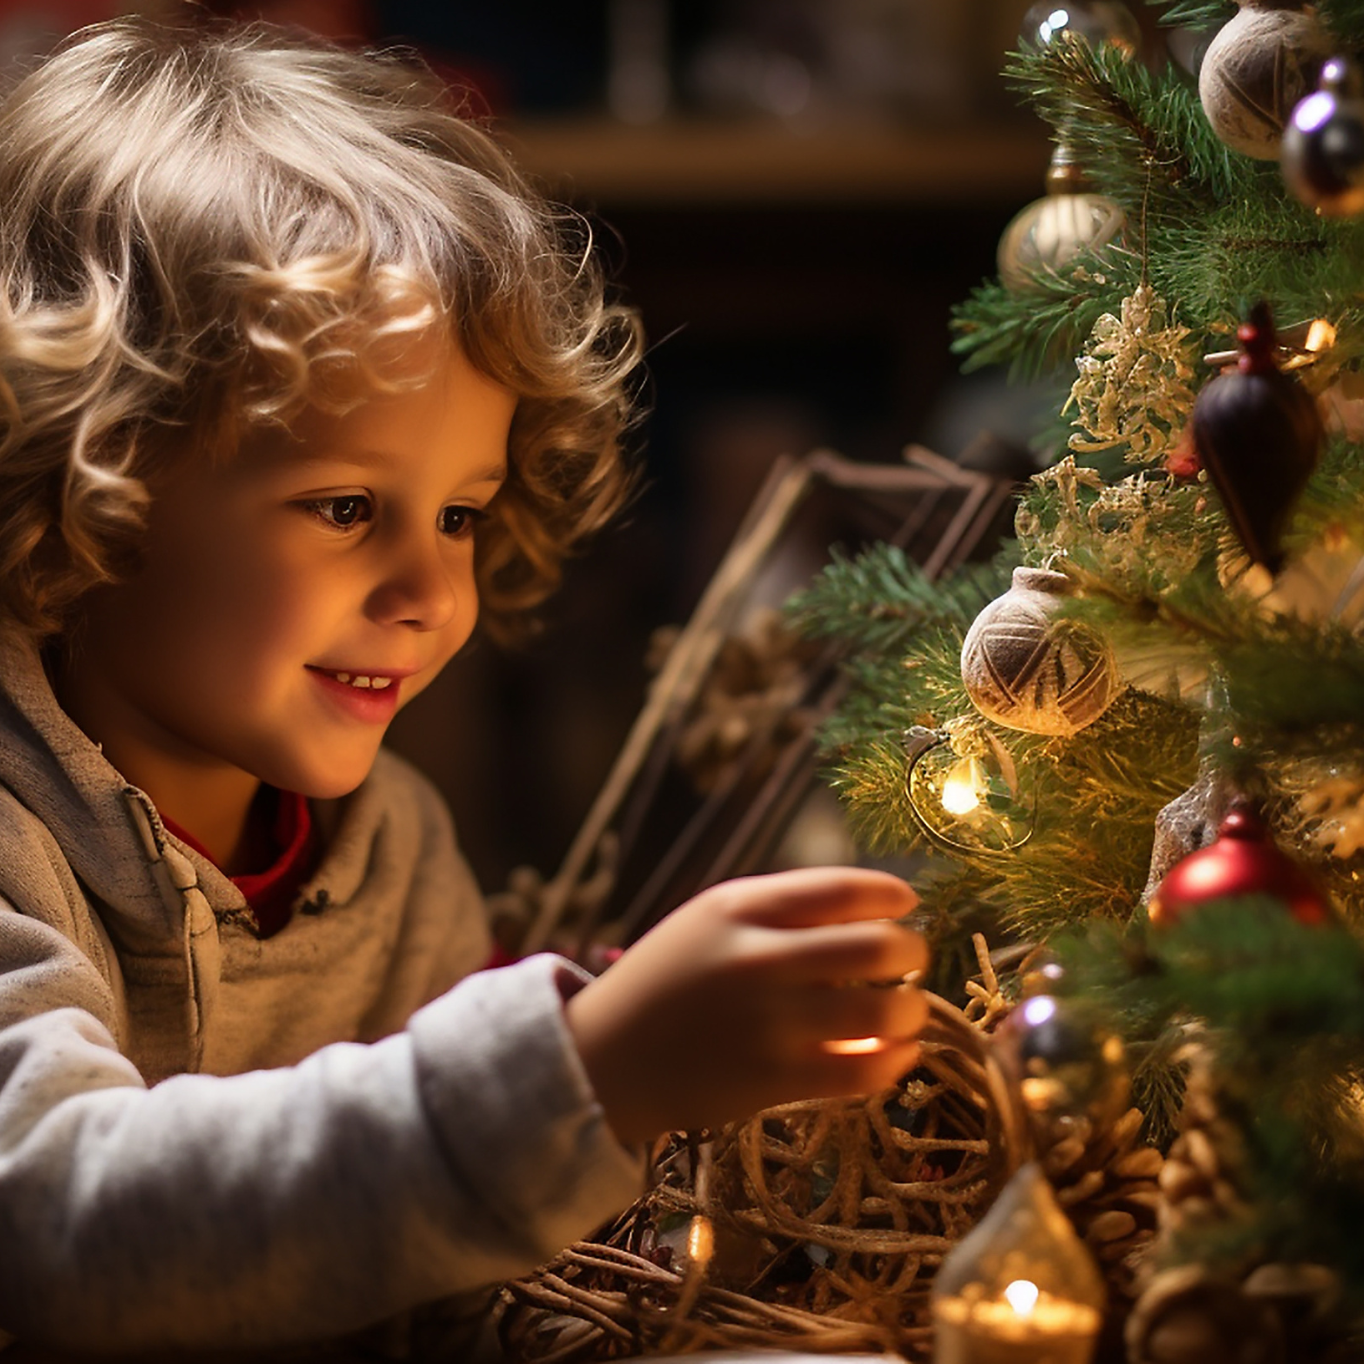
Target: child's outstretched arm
731	1003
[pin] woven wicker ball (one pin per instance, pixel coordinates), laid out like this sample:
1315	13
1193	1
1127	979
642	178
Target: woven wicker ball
1024	669
1255	70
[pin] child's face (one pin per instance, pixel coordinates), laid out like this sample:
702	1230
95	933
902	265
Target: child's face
295	595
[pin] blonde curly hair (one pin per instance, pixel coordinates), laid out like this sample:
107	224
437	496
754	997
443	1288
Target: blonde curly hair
204	227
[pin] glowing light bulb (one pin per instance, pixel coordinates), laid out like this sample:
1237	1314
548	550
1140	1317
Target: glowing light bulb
964	786
700	1239
1022	1296
1321	335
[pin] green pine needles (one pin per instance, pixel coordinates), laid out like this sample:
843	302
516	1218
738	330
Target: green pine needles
1209	229
1275	1009
1218	662
1152	560
1230	678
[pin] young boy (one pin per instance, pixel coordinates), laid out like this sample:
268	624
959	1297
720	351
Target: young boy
295	370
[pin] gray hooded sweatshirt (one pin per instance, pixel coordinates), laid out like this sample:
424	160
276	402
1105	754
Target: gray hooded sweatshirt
212	1140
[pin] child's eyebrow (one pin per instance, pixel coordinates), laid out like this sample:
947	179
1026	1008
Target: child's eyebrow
375	458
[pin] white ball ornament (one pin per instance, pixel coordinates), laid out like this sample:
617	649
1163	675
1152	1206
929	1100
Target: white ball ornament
1260	64
1026	670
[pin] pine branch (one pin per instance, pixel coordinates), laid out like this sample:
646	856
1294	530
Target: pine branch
1040	332
1331	497
1259	244
1345	19
1294	677
1115	775
1139	133
1282	1004
1194	13
879	600
1214	230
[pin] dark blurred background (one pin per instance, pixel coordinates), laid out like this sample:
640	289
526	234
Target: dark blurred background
793	193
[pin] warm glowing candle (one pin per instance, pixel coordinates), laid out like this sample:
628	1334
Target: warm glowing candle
1024	1326
1022	1296
1022	1288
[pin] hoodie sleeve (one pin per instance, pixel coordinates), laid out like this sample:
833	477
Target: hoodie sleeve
291	1204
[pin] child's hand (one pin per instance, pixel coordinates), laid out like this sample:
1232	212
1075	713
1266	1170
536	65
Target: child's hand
729	1005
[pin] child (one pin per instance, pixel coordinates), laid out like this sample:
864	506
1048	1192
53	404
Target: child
295	371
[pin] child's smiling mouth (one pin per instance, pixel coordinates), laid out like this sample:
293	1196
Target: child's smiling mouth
372	697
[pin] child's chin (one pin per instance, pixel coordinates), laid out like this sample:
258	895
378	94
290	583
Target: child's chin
332	785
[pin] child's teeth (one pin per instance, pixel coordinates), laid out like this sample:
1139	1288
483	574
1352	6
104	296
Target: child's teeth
360	680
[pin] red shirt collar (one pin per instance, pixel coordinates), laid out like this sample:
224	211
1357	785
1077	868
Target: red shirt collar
271	892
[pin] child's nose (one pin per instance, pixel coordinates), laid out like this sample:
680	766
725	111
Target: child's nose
418	588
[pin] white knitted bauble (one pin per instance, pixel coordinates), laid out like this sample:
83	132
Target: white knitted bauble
1026	670
1260	64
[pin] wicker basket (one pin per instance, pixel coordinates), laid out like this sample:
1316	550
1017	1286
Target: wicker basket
813	1226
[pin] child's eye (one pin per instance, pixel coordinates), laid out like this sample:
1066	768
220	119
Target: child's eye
342	512
459	521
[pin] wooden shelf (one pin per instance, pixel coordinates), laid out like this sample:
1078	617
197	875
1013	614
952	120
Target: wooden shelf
694	162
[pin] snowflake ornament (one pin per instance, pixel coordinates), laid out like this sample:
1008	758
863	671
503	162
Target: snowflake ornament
1133	388
1335	805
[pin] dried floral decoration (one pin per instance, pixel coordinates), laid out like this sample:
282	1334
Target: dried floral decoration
1133	388
1072	511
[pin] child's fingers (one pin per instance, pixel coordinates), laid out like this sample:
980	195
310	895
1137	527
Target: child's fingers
842	1072
832	1013
817	895
878	950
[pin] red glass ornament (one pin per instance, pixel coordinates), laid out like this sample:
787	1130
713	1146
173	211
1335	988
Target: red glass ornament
1242	861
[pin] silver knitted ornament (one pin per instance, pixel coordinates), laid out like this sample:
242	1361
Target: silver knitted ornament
1026	670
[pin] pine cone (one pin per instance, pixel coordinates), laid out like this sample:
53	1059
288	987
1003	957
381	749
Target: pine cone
1191	1316
1108	1183
1201	1182
1280	1313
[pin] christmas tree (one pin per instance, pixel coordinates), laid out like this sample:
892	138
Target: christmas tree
1125	761
1133	745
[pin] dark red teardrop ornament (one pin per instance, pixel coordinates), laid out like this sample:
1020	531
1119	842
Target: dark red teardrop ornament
1242	861
1258	433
